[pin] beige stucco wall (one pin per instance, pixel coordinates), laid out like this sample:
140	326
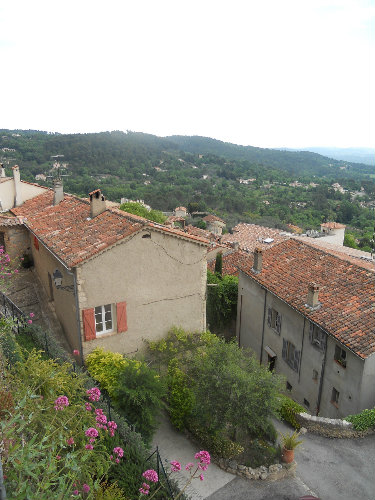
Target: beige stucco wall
162	279
8	193
356	390
63	300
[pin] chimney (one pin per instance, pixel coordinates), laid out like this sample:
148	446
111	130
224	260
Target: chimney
2	170
258	256
97	203
17	186
58	191
312	296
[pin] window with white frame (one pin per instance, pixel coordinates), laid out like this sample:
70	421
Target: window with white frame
103	319
318	337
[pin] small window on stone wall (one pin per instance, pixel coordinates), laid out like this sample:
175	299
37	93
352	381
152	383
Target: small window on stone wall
315	375
306	403
340	356
335	397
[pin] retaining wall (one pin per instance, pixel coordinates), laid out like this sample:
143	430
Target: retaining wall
330	427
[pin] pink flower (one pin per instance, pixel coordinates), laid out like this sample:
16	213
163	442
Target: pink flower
31	315
58	457
189	466
75	492
119	452
175	466
203	456
88	406
16	271
61	402
112	427
143	492
151	475
98	411
93	394
117	460
85	488
146	486
75	352
89	447
70	441
29	321
111	457
201	477
92	432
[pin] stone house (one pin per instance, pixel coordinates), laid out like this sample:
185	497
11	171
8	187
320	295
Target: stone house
309	315
214	224
114	278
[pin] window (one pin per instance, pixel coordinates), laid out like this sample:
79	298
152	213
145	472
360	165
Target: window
103	319
274	320
318	338
335	397
290	355
315	375
340	356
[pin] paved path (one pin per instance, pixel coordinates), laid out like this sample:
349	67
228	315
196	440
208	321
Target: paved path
331	469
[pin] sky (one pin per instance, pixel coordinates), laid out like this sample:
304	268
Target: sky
267	73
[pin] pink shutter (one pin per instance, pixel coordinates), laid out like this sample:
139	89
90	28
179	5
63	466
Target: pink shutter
122	323
89	324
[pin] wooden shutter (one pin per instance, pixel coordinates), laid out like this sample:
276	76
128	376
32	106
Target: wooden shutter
269	317
297	357
278	323
122	322
88	319
36	243
284	349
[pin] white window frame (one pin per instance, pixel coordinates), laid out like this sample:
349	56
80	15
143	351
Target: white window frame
102	313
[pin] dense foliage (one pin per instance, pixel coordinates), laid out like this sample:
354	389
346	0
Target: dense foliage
215	389
136	389
363	421
221	300
203	174
141	210
288	409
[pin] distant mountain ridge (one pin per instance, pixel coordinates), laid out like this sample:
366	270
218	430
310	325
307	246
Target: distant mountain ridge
356	155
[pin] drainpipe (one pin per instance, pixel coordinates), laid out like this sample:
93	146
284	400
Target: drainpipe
303	338
78	319
321	381
239	329
264	320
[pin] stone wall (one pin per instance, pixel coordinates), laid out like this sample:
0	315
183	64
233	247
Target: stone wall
271	473
330	427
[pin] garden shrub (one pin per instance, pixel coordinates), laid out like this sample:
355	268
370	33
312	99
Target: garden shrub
106	367
362	421
8	344
288	409
180	396
110	492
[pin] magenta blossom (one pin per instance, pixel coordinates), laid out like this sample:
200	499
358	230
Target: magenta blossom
143	492
70	441
31	315
189	466
76	352
61	402
175	466
151	475
29	321
85	488
112	426
88	406
93	394
89	447
201	477
118	451
92	432
203	456
76	492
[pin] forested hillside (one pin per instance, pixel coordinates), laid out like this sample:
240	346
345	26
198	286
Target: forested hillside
238	183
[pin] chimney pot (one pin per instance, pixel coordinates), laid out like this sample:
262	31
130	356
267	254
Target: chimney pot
17	186
313	296
258	257
58	191
97	203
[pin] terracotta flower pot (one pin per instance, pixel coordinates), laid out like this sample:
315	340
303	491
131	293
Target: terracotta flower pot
287	456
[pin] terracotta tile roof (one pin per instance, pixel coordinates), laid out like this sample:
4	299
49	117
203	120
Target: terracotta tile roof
249	236
231	262
11	221
68	231
333	225
196	231
212	218
182	209
347	291
359	257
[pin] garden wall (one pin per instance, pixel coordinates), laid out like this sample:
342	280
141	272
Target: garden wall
330	427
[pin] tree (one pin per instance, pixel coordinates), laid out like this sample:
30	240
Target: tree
141	210
219	264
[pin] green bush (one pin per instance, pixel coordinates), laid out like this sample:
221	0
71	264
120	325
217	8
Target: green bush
362	421
106	367
110	492
180	396
216	443
288	409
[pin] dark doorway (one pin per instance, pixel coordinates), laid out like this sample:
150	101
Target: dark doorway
271	362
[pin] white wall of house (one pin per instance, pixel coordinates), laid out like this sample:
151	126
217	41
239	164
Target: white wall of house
162	278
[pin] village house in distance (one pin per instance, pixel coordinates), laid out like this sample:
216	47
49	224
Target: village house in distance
114	278
309	315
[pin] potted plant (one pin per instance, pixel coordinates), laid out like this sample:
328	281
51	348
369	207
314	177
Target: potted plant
290	442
